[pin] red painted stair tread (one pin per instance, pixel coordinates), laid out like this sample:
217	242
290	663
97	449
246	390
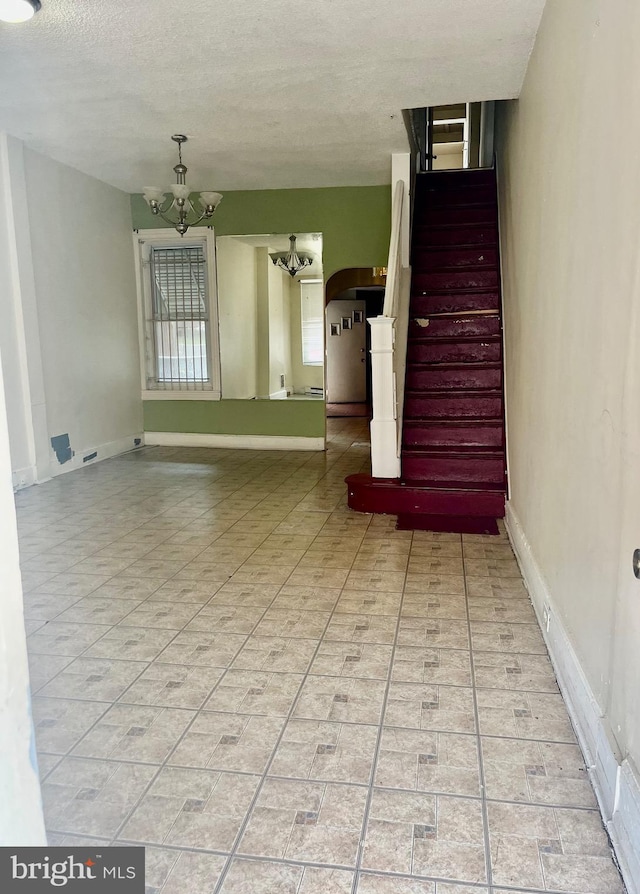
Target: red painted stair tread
453	454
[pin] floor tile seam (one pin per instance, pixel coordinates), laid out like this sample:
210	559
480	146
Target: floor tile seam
518	653
50	620
313	673
303	864
177	848
514	623
185	731
112	627
417	729
83	655
458	617
376	754
482	886
249	858
441	880
44	776
483	788
101	838
243	826
436	793
142	795
544	805
70	751
204	604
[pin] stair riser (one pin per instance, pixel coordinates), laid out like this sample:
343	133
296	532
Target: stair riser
444	179
395	500
434	469
455	327
446	236
426	305
459	280
460	352
425	261
444	435
453	408
456	216
452	197
445	379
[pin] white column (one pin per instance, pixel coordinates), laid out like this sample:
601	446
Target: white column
20	334
385	462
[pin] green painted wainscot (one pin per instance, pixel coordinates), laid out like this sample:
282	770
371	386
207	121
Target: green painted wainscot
300	420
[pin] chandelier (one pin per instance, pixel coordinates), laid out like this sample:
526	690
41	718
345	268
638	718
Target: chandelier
291	261
16	11
178	208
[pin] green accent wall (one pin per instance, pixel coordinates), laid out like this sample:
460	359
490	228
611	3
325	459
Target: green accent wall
355	221
292	418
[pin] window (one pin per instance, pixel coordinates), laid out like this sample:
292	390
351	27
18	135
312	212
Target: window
178	310
312	315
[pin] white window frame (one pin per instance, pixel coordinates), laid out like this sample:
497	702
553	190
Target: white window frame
321	319
170	238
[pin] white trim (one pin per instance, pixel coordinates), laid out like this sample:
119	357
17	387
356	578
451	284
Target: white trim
23	298
616	784
24	477
103	451
181	395
503	256
625	827
167	236
234	442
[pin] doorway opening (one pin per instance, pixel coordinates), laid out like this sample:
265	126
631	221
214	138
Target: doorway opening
348	372
353	296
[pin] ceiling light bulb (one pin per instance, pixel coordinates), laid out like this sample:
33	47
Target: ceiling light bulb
15	11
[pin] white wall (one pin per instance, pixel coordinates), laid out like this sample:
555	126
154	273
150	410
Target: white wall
263	369
570	230
236	270
21	820
279	330
86	300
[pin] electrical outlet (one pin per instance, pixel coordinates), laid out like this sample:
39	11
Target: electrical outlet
546	616
282	381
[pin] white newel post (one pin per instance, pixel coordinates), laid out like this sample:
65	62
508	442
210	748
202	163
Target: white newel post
385	462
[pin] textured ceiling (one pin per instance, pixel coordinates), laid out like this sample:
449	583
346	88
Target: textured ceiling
272	94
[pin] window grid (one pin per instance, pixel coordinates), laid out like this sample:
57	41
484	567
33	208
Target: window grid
179	318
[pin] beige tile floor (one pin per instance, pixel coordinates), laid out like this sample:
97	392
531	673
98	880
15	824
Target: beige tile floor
274	694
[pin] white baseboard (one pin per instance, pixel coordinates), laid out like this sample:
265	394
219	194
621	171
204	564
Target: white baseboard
80	458
23	477
616	783
234	442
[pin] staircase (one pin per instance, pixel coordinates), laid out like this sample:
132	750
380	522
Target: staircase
453	453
